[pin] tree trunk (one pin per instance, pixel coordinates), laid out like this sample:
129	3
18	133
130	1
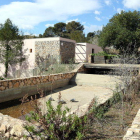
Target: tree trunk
6	68
6	60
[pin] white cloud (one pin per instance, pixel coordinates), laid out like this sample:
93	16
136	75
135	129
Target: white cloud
107	2
72	20
133	4
83	23
28	14
97	12
114	8
97	18
119	10
92	28
49	25
27	33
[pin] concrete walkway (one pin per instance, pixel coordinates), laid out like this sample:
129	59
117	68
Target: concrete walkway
89	86
112	66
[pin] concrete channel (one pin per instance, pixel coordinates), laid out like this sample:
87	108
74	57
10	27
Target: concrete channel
83	88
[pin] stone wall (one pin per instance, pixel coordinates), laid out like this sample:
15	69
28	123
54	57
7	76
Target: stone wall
17	88
62	50
14	89
99	60
46	49
67	51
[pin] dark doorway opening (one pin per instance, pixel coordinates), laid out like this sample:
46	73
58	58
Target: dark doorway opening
92	56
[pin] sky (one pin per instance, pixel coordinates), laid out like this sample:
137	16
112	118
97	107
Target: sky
34	16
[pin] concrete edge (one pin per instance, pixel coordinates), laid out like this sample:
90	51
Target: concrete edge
133	133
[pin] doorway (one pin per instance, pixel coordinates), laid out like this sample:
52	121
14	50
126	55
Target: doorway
92	57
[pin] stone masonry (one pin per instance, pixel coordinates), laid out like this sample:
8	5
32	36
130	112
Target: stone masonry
57	49
67	51
14	89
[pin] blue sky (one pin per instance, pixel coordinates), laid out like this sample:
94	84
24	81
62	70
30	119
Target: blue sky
34	16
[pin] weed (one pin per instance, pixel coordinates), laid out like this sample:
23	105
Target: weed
56	124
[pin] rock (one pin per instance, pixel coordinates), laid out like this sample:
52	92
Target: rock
51	99
10	85
55	78
136	130
1	118
21	84
62	102
29	138
73	100
23	138
16	85
3	128
29	82
2	88
7	135
129	133
17	130
5	84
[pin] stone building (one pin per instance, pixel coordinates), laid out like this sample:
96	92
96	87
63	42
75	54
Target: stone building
60	49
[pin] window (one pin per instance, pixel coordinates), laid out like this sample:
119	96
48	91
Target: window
30	50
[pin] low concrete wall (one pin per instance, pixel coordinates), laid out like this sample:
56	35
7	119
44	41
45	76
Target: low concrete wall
17	88
97	59
14	89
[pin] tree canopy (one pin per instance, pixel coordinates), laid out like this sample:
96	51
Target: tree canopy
78	36
74	26
48	32
122	32
66	30
59	29
71	30
90	34
11	44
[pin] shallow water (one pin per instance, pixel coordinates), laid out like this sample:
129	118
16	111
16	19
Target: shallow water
14	108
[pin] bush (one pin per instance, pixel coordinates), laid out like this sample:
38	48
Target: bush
1	78
56	124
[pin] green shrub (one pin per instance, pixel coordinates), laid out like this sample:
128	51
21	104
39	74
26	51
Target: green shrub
56	124
1	78
107	55
99	111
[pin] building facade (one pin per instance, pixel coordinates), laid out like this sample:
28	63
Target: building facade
83	50
59	49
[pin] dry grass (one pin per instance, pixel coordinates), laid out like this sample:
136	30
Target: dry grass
111	126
